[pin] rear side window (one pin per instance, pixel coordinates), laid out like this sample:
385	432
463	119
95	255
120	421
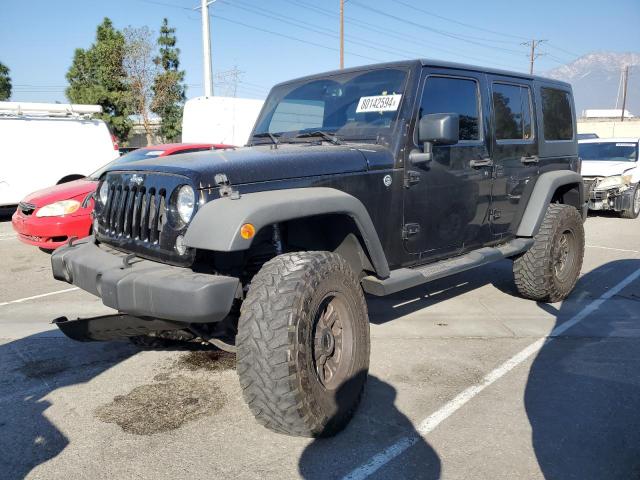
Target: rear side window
556	112
454	95
512	111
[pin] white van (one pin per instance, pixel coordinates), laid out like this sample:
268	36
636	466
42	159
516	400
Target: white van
44	144
226	120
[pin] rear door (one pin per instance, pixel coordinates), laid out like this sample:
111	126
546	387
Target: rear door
514	149
446	200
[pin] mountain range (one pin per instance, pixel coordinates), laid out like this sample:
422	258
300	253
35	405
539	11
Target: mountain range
595	78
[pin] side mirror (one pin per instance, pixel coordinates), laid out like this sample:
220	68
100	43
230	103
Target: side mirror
438	129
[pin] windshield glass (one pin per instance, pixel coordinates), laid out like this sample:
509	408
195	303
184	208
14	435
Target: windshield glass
140	154
609	151
355	105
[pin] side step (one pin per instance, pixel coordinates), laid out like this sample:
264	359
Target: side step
404	278
111	327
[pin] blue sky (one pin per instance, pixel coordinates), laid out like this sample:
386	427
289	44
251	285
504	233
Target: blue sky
266	39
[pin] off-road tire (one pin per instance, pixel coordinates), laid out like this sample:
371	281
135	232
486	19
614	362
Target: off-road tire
634	210
276	331
534	271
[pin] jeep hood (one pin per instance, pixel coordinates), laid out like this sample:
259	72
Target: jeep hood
599	168
258	164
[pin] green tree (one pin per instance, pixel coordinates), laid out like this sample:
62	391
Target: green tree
97	77
168	88
5	82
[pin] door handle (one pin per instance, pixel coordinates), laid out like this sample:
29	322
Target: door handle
531	159
481	162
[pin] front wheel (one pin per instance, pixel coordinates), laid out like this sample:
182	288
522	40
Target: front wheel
303	344
634	209
549	270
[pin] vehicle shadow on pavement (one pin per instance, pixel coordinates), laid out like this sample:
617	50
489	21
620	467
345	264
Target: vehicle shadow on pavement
391	307
31	368
376	426
583	392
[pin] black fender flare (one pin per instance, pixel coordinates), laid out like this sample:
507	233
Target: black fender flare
541	196
216	226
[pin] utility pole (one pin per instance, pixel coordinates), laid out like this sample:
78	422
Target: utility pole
624	92
206	49
341	34
533	55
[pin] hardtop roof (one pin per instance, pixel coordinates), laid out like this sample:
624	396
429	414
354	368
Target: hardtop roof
425	62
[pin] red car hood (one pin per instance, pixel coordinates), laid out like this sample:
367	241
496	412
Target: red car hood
65	191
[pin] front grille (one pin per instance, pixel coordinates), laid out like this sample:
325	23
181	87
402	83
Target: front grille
26	208
135	212
136	216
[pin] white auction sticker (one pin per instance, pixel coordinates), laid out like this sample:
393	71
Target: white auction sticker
379	103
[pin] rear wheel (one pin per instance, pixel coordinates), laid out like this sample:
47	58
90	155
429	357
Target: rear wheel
549	270
303	344
634	209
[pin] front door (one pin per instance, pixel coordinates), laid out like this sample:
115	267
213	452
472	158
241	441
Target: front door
515	150
447	199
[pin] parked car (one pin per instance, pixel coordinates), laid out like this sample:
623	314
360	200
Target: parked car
611	173
372	179
49	217
45	144
586	136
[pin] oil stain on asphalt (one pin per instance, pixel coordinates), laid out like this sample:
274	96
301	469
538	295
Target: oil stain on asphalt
43	368
172	400
163	406
209	360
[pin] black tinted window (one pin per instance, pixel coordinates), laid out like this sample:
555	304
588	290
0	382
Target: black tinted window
453	95
512	107
556	110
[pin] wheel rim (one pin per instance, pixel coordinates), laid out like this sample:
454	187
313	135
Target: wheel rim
636	201
565	255
332	341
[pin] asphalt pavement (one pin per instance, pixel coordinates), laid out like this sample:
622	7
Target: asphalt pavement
467	380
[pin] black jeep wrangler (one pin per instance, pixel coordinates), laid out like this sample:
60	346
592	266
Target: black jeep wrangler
371	179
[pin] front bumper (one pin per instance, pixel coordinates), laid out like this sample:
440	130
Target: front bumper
144	288
49	232
612	199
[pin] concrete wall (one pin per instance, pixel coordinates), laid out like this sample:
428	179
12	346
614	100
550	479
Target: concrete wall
609	128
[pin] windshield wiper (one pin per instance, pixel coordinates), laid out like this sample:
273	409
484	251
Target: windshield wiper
269	135
319	133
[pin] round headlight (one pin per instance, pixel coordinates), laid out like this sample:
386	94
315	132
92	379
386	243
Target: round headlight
185	203
103	193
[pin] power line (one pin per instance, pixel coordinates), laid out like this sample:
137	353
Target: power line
457	22
434	30
289	37
370	27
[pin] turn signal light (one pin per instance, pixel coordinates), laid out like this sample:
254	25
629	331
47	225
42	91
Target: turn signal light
247	231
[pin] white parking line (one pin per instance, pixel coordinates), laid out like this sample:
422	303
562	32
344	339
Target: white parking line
8	237
614	249
448	409
26	299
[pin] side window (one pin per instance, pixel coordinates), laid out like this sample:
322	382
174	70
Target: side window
512	111
556	112
453	95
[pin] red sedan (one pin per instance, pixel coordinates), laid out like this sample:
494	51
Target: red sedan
48	218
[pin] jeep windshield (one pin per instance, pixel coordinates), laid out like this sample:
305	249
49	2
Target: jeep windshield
609	151
346	106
